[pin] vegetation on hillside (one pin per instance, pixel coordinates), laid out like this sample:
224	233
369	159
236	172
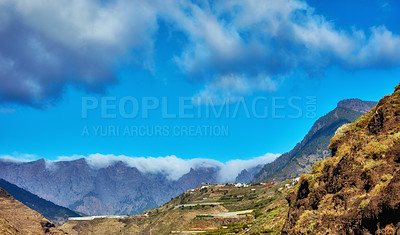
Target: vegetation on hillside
356	191
264	207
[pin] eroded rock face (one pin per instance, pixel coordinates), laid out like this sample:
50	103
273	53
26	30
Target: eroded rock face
357	190
376	123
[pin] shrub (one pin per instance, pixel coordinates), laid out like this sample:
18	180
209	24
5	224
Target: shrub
316	168
363	204
371	164
340	132
374	149
344	150
386	177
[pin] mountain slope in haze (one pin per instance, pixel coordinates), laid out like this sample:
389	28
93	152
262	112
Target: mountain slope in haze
16	218
356	191
56	214
314	146
247	175
114	189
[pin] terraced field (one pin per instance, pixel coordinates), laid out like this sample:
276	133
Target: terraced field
212	209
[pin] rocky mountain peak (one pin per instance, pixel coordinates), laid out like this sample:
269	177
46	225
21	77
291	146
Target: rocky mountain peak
356	105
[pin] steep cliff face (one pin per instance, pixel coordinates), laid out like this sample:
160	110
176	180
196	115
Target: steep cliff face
356	191
314	146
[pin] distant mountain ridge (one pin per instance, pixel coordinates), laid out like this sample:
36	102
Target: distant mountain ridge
56	214
114	189
314	146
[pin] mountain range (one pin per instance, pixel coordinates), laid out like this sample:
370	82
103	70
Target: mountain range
116	188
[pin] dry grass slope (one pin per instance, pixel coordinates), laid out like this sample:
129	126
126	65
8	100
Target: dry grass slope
16	218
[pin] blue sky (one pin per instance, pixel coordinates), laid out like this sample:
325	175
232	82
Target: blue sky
52	54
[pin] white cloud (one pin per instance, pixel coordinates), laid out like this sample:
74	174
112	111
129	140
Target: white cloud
23	158
79	24
382	47
170	166
46	45
232	168
232	87
16	157
271	39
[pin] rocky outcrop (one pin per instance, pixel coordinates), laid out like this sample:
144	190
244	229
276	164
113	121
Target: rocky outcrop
356	191
357	105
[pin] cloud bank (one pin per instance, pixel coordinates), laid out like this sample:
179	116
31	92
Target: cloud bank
171	167
46	45
233	47
19	157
